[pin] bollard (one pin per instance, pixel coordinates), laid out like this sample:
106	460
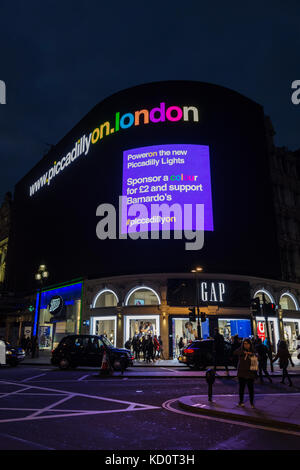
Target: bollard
210	378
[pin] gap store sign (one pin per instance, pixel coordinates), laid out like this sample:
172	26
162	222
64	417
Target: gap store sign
182	292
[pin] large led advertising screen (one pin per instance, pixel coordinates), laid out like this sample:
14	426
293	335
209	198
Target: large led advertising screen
185	145
177	175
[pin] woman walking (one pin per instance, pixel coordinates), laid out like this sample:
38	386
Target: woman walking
284	357
246	370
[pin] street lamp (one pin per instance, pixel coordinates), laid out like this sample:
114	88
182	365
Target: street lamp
40	276
196	271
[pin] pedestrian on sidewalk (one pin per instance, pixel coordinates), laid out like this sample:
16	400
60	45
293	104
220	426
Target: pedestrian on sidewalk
246	370
284	357
235	344
220	355
263	354
156	347
128	344
161	348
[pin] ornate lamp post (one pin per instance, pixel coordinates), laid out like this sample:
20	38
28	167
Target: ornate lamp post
196	271
40	276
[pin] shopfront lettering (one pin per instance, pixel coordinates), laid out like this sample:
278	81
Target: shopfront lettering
212	292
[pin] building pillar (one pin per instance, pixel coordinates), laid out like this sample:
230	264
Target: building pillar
164	333
280	325
120	329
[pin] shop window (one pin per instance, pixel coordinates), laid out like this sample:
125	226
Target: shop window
272	333
105	326
231	327
142	296
291	328
141	326
106	298
288	302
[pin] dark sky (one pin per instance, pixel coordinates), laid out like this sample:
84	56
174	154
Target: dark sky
59	58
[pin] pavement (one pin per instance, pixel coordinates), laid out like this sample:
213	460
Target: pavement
270	410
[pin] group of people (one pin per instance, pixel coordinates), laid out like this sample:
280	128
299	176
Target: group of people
250	357
148	346
29	345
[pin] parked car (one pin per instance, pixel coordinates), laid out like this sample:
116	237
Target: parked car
87	350
14	354
200	354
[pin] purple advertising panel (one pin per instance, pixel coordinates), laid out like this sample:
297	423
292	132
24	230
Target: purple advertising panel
175	175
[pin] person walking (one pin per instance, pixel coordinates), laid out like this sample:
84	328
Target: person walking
263	354
246	370
284	357
156	347
136	347
235	344
219	351
150	349
180	344
161	348
128	344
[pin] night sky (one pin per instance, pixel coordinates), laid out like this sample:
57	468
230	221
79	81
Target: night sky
59	59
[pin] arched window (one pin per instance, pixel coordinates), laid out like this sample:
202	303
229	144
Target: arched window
106	298
142	296
288	302
268	297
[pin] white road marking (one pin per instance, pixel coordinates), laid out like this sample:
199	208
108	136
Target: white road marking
26	441
167	406
31	378
15	392
83	377
171	370
66	395
53	405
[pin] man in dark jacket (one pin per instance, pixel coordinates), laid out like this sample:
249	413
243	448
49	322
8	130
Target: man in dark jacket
263	354
219	351
284	357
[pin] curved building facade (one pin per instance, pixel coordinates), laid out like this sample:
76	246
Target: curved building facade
158	178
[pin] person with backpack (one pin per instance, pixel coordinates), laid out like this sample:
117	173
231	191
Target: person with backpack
246	370
284	357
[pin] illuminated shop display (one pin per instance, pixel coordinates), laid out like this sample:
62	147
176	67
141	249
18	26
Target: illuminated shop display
273	330
141	325
231	327
105	325
185	330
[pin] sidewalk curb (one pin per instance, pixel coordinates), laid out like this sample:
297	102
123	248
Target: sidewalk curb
239	418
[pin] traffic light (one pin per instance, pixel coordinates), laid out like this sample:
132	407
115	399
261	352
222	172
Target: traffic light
255	304
269	309
203	316
192	314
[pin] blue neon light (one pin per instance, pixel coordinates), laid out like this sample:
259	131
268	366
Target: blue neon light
68	293
36	313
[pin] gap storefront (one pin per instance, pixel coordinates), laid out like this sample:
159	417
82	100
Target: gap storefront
59	314
224	302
